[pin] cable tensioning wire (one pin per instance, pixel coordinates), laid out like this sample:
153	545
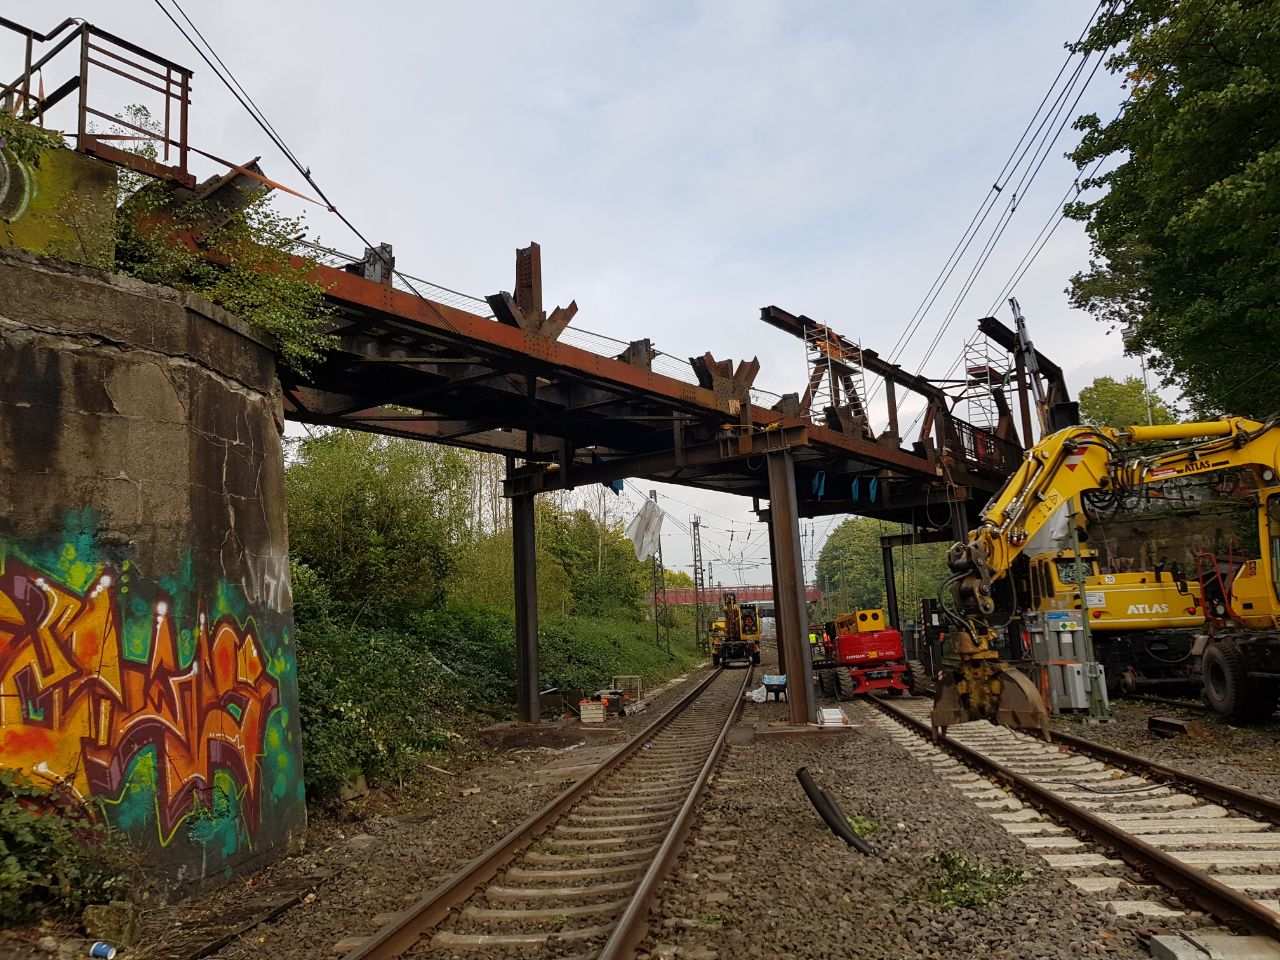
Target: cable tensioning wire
1023	186
987	203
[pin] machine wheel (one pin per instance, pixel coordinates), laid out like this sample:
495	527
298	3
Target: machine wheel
755	658
1226	680
844	684
715	659
909	678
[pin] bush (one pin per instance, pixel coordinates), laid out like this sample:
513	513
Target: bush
377	700
961	882
372	701
54	858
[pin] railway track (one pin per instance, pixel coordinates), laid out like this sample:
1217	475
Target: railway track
577	878
1081	805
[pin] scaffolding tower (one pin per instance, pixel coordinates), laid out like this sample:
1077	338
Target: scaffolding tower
986	367
836	377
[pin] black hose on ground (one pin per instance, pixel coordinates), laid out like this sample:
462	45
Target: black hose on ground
855	839
830	812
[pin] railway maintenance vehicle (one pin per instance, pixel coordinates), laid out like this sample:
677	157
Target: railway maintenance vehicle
1237	655
1143	623
735	637
857	654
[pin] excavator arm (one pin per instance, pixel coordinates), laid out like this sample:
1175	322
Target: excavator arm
1059	469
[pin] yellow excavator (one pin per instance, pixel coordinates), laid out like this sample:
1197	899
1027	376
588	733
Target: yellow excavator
1240	663
1143	622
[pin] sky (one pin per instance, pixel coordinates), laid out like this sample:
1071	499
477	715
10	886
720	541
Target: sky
681	164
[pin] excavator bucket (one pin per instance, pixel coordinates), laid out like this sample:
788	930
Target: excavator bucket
988	690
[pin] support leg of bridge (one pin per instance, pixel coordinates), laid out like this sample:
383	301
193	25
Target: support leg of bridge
777	630
522	535
788	572
890	584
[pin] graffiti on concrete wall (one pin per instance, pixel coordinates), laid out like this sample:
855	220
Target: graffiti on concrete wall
157	710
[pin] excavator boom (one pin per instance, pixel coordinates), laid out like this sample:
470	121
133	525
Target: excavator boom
1060	469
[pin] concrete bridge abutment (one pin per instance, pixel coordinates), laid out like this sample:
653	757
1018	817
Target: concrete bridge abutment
146	627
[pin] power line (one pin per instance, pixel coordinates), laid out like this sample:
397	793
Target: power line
1059	214
234	87
1011	164
1028	179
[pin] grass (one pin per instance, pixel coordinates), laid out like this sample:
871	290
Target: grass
862	826
711	919
963	883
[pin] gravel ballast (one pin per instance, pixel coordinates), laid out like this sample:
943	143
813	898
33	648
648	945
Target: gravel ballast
1244	757
763	877
380	864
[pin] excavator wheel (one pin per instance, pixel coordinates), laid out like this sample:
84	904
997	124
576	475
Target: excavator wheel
1226	680
844	684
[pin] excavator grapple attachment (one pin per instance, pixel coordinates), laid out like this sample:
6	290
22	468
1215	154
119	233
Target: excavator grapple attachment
986	689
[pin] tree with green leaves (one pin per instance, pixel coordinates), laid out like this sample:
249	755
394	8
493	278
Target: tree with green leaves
677	579
1185	248
1108	402
376	518
851	570
606	577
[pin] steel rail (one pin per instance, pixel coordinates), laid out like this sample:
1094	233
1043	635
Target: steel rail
411	924
634	922
1252	804
1189	884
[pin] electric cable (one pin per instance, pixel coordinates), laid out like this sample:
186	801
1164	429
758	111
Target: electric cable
1024	185
1058	215
231	83
1015	159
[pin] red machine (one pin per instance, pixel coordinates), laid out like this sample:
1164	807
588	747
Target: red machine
857	654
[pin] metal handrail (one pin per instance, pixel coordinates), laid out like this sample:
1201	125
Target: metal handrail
171	80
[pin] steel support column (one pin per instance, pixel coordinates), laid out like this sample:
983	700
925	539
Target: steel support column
524	552
777	593
890	584
789	603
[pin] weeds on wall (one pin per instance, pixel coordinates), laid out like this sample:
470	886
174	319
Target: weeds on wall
24	141
55	858
251	266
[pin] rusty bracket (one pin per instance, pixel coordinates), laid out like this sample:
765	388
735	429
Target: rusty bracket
523	309
639	353
731	386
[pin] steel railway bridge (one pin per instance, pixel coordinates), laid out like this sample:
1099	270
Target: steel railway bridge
566	408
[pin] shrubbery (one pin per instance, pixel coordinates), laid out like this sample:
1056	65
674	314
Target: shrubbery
404	602
54	858
377	700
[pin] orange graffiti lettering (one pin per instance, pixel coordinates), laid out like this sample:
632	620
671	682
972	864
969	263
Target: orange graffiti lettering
74	710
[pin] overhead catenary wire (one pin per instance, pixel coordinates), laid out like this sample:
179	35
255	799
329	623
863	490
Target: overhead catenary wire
1012	163
1077	186
1024	185
235	87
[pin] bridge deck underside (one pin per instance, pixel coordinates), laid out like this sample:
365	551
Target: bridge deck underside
410	367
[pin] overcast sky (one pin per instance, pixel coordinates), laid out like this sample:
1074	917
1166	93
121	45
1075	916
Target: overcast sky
681	164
